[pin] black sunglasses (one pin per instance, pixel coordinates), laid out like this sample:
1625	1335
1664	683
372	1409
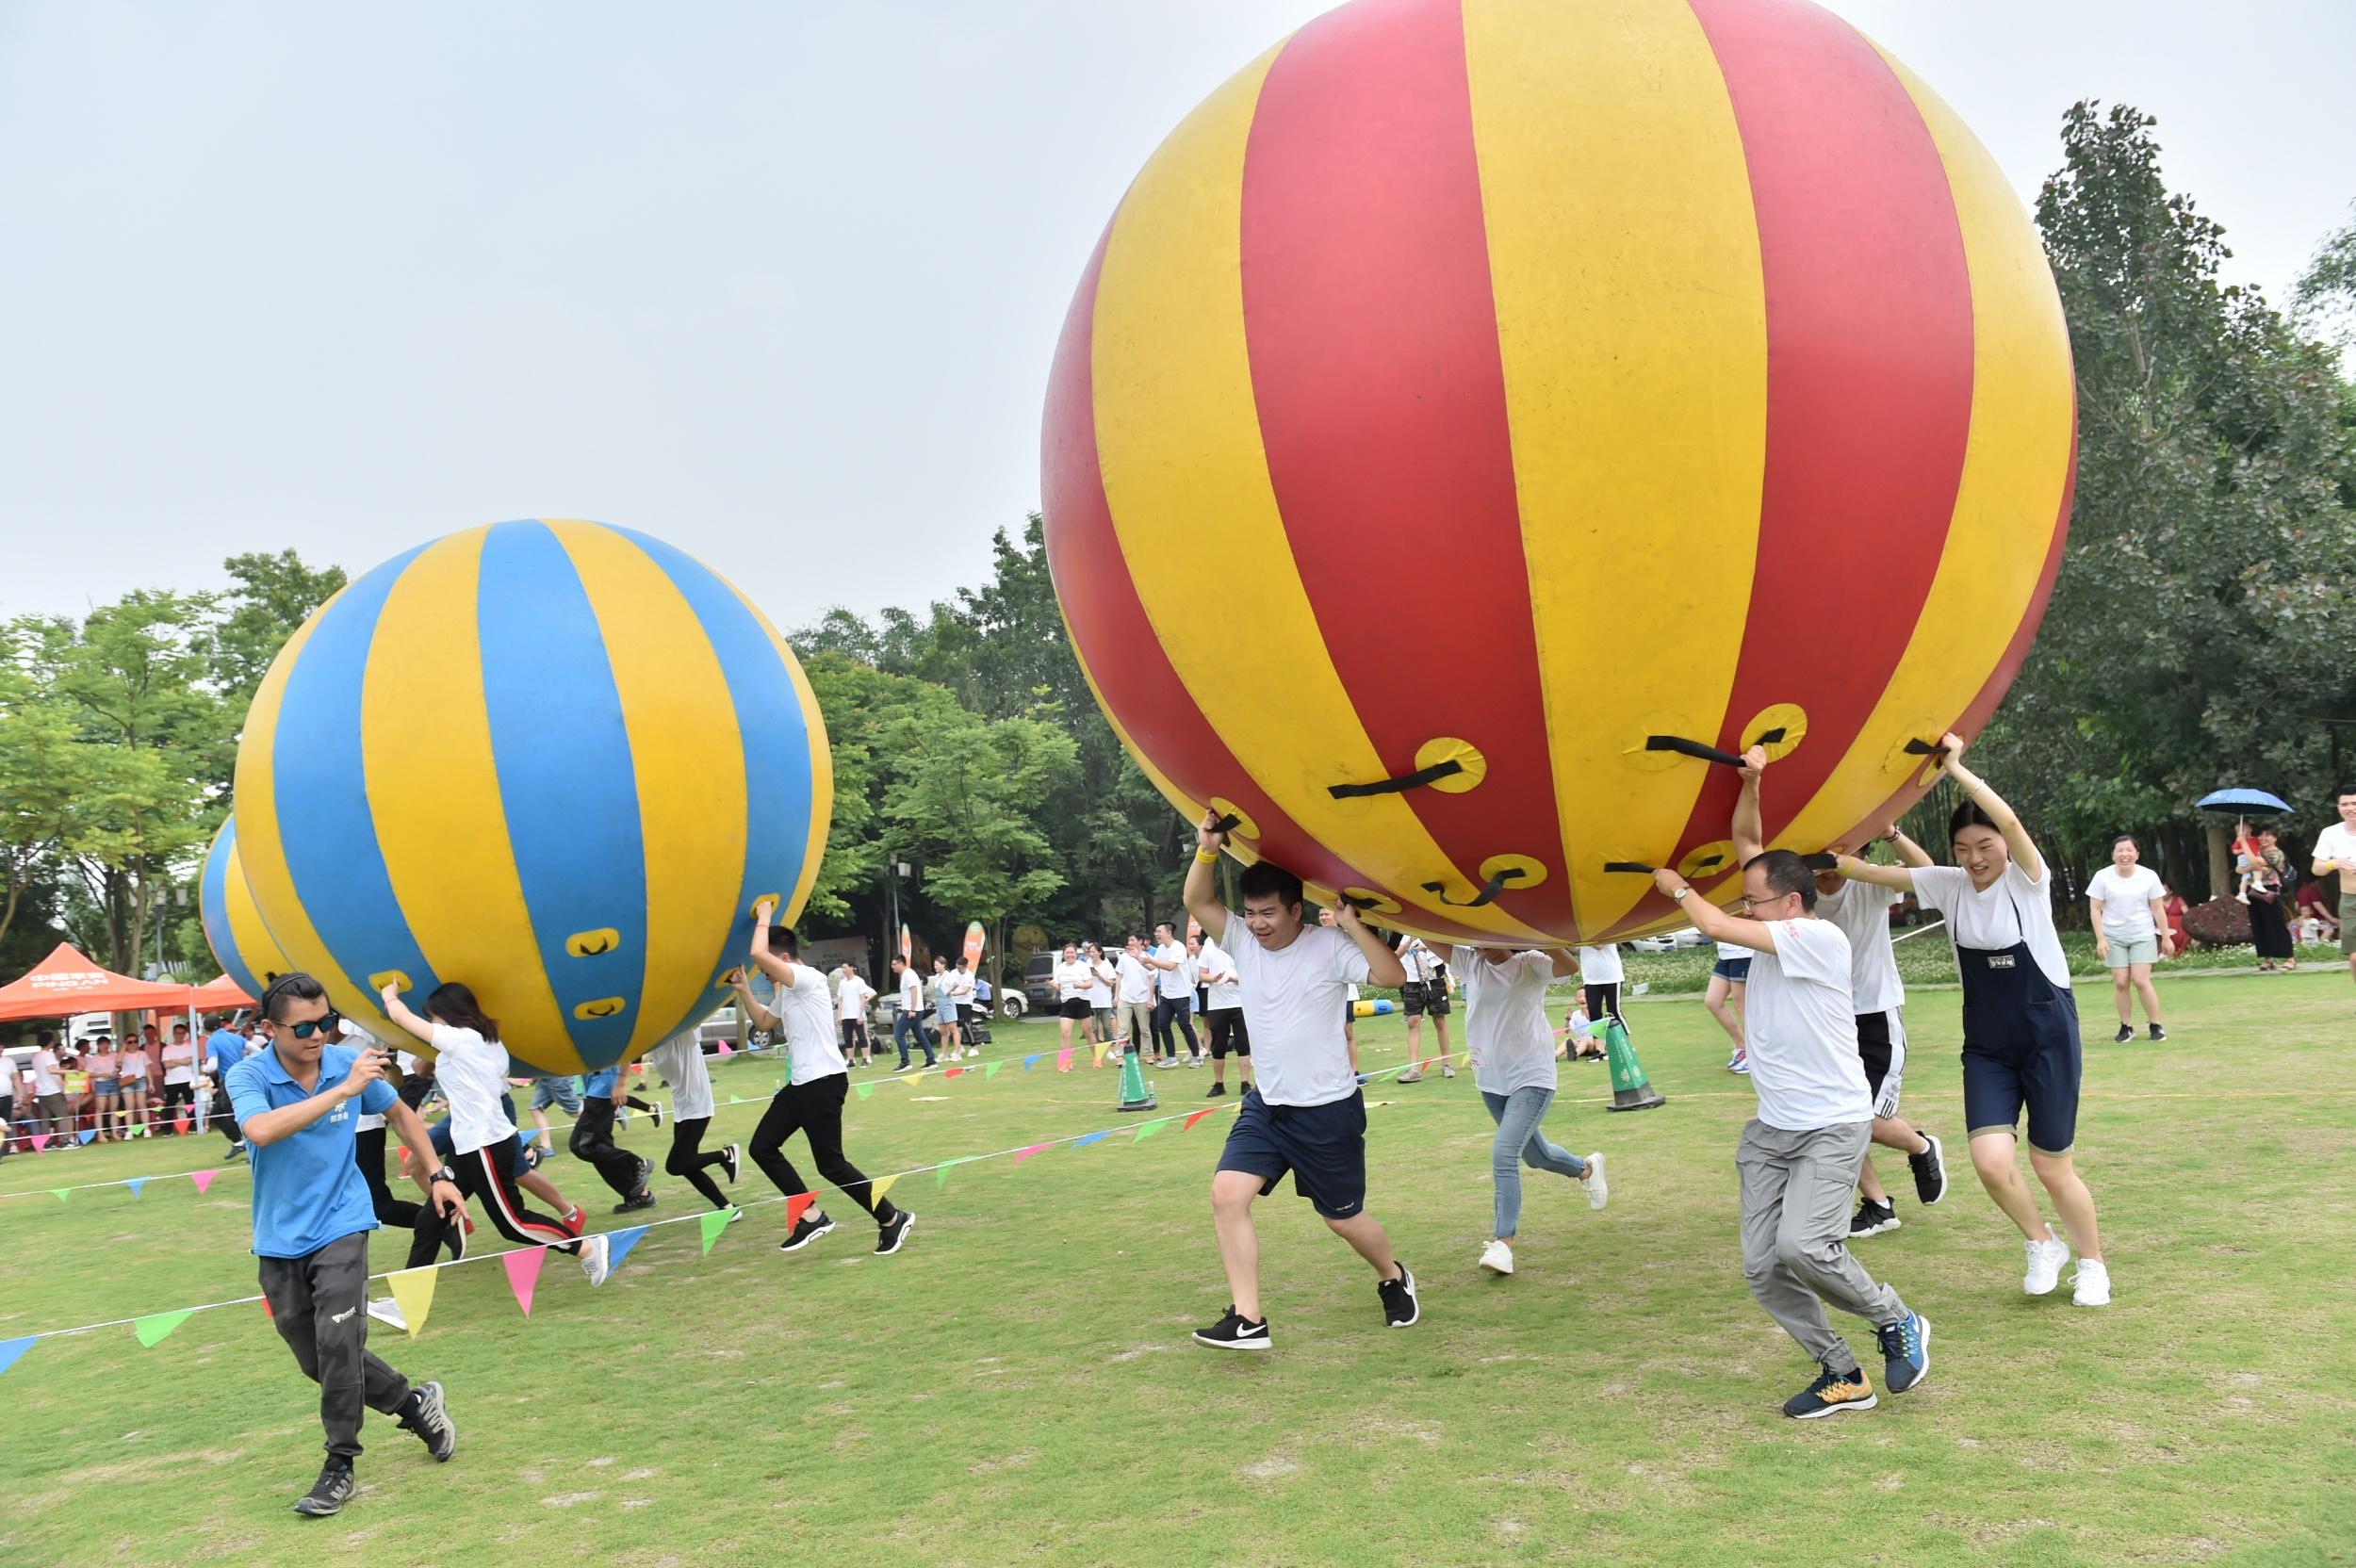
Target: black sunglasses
330	1023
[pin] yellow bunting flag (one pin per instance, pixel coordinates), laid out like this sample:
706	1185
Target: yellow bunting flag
1099	1055
881	1184
413	1290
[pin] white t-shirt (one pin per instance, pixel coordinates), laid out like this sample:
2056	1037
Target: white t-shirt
851	998
680	1060
1734	951
135	1065
1297	1052
1101	977
2335	844
1505	1023
911	992
179	1061
46	1070
960	987
2126	902
1217	972
806	1016
472	1072
1137	981
1073	979
1992	920
1861	909
1173	983
8	1083
1600	966
1801	1028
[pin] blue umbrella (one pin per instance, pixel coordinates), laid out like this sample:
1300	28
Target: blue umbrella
2242	803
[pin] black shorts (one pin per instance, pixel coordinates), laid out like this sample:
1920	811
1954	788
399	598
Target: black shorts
1324	1147
1227	1033
1075	1006
1873	1045
1424	996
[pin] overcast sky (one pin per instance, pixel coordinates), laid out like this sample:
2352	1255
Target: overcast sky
777	281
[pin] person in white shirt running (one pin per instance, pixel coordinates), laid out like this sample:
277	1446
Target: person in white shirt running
1075	977
1512	1051
1173	999
2131	932
1799	1156
2021	1047
680	1060
2336	851
1425	992
1305	1117
851	996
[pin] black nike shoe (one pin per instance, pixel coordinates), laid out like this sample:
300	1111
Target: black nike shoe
641	1199
426	1415
888	1240
729	1160
1234	1332
332	1491
1930	1171
2126	1033
2158	1032
1217	1089
806	1229
1401	1308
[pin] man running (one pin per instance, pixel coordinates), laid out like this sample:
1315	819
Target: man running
295	1105
811	1101
1173	998
1305	1116
1798	1158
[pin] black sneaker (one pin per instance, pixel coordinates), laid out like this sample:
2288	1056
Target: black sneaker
1905	1351
1930	1171
1401	1309
1234	1332
654	1112
1217	1089
332	1491
1872	1218
645	1173
237	1152
426	1415
2158	1032
455	1237
806	1229
729	1158
641	1199
2126	1033
1830	1393
887	1241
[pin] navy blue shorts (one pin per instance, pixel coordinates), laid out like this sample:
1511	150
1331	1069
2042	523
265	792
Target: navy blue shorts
1736	970
2038	1072
1323	1146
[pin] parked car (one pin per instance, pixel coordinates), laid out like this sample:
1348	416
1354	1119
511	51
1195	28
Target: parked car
1038	981
1668	942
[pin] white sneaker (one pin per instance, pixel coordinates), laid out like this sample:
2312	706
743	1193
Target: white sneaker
1741	1064
387	1309
2093	1285
2045	1265
1413	1075
1447	1071
1598	1193
593	1263
1497	1258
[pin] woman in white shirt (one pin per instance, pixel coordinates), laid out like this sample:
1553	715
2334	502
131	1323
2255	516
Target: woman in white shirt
1513	1057
2019	1023
2130	932
135	1066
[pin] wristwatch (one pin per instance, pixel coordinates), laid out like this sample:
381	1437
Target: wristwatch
444	1174
1677	896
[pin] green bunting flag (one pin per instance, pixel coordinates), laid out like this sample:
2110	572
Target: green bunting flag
713	1223
1147	1129
64	1193
941	1171
990	1070
153	1330
864	1089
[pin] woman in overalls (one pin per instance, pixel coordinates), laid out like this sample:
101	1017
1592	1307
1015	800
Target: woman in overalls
2019	1025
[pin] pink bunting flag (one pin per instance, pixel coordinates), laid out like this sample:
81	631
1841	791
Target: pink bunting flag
41	1141
726	1050
798	1206
1192	1119
1022	1155
1063	1060
523	1273
204	1179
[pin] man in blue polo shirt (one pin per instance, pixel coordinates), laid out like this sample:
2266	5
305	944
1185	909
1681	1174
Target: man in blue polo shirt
224	1048
295	1103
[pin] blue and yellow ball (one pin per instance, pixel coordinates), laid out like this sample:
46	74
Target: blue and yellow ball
557	760
241	944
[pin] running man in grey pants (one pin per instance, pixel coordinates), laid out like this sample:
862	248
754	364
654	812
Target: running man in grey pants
1799	1156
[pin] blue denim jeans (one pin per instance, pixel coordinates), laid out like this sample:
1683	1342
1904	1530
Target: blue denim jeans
1518	1143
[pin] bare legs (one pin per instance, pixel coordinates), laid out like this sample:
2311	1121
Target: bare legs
2000	1173
1231	1192
1723	999
1891	1133
2138	977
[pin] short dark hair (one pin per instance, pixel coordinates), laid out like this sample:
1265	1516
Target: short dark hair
1263	878
46	1038
897	959
454	1004
2343	791
1786	873
294	985
1968	814
782	939
2126	839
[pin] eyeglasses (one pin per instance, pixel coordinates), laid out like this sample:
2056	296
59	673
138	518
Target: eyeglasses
330	1023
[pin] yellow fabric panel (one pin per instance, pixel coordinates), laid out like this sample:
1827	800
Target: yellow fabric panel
1632	316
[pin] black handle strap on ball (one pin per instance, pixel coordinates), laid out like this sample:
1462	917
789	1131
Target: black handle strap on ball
1487	894
1924	748
1822	860
1361	905
1400	785
1227	824
1709	753
1638	867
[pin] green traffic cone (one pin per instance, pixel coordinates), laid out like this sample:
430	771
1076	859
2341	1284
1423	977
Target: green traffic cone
1630	1089
1135	1095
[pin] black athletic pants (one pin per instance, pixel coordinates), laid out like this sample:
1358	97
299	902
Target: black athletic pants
815	1109
1603	1001
177	1096
690	1159
484	1174
427	1226
1173	1013
319	1304
593	1141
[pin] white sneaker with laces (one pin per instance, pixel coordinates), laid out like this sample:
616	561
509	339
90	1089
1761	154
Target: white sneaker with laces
1447	1071
593	1259
1497	1258
2092	1285
1598	1193
2045	1265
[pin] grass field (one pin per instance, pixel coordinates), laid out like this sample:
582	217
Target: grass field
1018	1384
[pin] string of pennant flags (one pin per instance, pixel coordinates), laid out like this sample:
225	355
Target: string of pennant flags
413	1289
203	1179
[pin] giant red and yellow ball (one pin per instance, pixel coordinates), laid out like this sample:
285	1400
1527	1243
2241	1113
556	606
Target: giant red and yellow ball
1509	381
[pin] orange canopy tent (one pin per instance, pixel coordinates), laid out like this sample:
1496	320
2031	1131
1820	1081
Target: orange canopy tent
215	995
66	983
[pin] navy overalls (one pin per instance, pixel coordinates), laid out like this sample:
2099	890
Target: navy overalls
2020	1044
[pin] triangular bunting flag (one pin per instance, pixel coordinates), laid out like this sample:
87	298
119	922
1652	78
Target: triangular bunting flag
1032	1059
135	1183
1092	1137
1147	1129
950	1073
798	1206
13	1349
618	1244
990	1070
151	1329
736	1099
413	1288
917	1077
1022	1155
713	1222
266	1310
179	1125
941	1171
864	1089
84	1136
64	1193
877	1188
140	1131
725	1049
41	1141
1063	1060
204	1179
523	1273
1191	1118
1099	1050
